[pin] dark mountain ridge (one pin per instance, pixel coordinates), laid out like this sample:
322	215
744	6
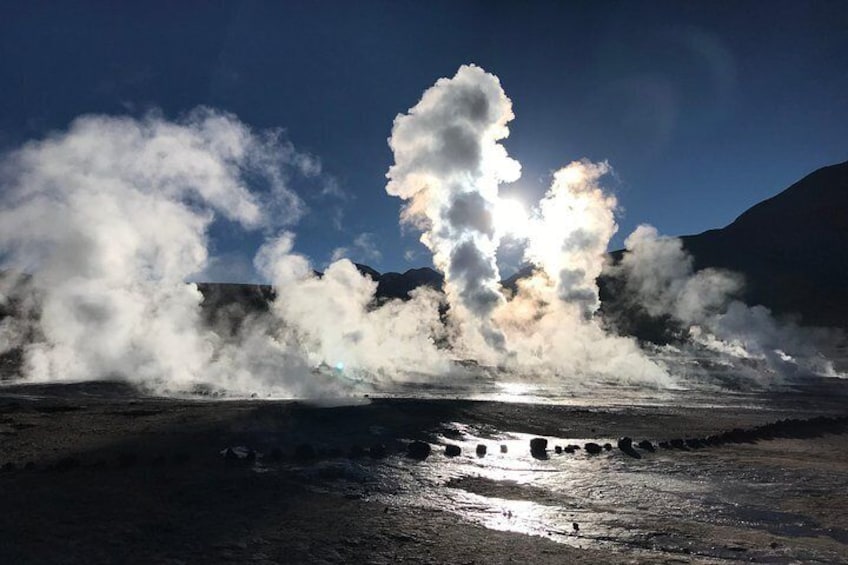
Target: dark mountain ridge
792	249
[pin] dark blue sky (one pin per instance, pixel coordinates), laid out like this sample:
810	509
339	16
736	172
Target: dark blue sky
702	109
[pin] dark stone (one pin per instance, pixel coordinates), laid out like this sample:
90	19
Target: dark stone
8	467
250	457
451	433
569	449
452	450
576	526
625	444
127	460
738	435
276	454
419	450
481	450
593	448
30	466
304	452
646	445
538	446
558	449
65	464
607	447
230	456
694	443
377	451
678	443
665	445
503	449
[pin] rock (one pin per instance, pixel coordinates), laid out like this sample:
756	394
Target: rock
607	447
568	449
481	450
65	464
452	433
419	450
503	448
593	448
558	449
576	526
8	467
230	455
276	454
377	451
694	443
625	444
453	450
665	445
738	435
304	452
646	445
538	445
30	466
678	443
127	460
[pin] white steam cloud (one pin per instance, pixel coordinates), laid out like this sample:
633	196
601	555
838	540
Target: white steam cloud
660	277
109	219
331	318
448	165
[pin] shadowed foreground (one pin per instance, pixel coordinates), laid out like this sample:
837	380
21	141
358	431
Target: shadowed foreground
95	473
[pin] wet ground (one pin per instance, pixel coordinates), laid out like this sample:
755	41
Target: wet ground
97	472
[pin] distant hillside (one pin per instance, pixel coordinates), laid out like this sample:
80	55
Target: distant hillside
792	249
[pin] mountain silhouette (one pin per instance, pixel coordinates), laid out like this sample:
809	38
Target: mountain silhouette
792	249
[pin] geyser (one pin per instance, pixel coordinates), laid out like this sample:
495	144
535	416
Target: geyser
109	219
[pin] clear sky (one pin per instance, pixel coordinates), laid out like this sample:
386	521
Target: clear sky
701	108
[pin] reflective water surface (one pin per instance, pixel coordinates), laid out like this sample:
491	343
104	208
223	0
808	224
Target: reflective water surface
757	502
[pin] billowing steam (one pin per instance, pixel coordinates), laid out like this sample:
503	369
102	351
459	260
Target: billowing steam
660	278
331	319
102	225
448	164
110	218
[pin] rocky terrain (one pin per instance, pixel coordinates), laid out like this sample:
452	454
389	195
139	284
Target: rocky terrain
99	473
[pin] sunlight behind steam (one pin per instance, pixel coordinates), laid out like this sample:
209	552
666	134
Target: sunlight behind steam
112	217
510	218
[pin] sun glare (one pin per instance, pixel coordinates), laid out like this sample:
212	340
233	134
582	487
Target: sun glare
510	217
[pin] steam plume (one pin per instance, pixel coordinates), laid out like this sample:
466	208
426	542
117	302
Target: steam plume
110	218
448	164
659	275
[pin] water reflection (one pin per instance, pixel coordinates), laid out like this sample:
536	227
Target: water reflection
667	502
